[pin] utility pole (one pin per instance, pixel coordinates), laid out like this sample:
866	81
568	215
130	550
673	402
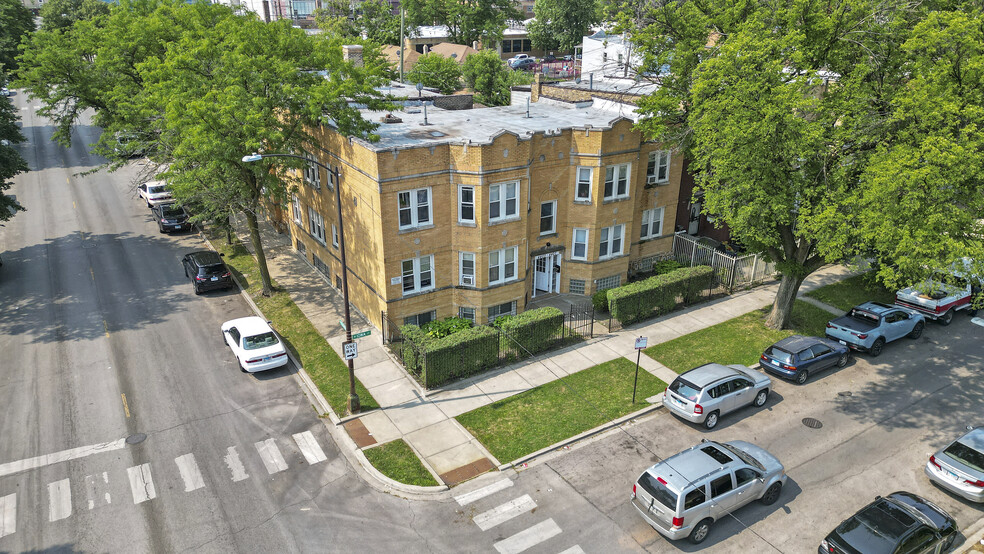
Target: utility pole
402	44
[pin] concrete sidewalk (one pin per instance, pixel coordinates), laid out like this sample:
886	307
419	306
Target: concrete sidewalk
425	419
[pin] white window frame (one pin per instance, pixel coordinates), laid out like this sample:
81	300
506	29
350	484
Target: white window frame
658	169
334	235
617	180
414	205
649	230
578	181
609	237
553	217
415	276
462	204
466	279
316	225
575	243
312	173
499	263
498	194
295	208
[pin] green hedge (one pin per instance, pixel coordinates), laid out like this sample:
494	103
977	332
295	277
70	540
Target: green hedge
658	294
438	361
536	330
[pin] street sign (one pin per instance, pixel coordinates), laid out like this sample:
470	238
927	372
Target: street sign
362	334
640	343
342	324
351	350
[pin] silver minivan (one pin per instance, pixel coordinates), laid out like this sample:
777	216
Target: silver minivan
705	393
684	494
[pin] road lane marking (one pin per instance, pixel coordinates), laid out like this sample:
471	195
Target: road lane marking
106	328
504	512
8	514
59	500
93	275
235	465
96	484
188	469
576	549
309	447
141	483
528	538
10	468
271	456
126	407
478	494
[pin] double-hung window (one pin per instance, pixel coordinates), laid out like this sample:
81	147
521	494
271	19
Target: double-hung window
509	308
316	225
617	181
503	201
312	173
502	265
658	170
418	274
466	263
295	209
334	235
466	204
652	223
467	313
415	208
611	241
582	190
548	217
579	244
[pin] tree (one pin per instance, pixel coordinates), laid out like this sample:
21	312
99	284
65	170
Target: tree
59	14
336	17
486	74
467	22
436	71
376	19
16	22
11	162
561	24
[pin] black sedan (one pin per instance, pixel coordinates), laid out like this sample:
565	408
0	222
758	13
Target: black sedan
797	357
171	218
900	522
207	271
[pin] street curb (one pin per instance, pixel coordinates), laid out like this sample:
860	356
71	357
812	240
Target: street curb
973	537
345	443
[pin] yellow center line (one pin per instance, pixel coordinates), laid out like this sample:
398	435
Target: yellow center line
126	408
93	275
106	327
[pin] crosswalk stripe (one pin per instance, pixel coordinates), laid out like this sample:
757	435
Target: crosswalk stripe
504	512
8	514
469	497
93	487
188	469
59	500
309	447
141	483
528	538
271	456
235	465
576	549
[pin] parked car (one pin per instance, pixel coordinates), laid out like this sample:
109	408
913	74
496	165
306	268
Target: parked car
517	58
525	64
154	193
684	494
959	467
898	523
549	58
797	357
940	297
871	325
705	393
254	343
207	271
4	91
170	217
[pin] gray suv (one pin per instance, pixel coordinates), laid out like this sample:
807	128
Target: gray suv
705	393
684	494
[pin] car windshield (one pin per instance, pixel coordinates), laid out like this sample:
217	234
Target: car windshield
172	211
214	269
685	389
658	491
745	456
156	189
779	355
966	455
262	340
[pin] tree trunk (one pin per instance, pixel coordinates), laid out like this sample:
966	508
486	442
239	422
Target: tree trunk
254	238
782	307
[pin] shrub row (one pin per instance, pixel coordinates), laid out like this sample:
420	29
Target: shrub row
638	301
536	330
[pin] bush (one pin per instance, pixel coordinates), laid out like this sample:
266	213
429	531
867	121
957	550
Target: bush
637	301
447	326
666	266
600	300
487	75
533	330
435	361
436	71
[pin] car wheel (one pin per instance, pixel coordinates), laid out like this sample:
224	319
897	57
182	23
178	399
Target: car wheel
771	494
947	318
917	330
876	348
761	397
148	205
842	361
711	420
801	376
243	369
700	531
197	290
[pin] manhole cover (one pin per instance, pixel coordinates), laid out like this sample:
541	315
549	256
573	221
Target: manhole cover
136	438
845	393
812	423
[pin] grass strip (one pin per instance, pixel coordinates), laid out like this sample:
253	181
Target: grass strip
740	340
397	461
852	291
325	367
519	425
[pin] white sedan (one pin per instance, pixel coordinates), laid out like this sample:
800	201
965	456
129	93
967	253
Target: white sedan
155	193
254	343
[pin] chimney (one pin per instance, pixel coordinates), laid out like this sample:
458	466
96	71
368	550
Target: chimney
352	53
475	45
536	88
427	49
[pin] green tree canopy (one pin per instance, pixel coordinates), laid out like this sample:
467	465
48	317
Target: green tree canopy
11	162
561	24
487	75
58	14
436	71
467	22
16	22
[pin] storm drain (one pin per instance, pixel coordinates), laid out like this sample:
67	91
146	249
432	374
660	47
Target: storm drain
136	438
845	393
812	423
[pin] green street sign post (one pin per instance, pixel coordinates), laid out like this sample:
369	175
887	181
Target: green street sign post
362	334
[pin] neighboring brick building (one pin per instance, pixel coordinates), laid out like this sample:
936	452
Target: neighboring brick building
478	211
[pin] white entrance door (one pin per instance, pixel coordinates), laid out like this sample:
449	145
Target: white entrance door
555	272
694	223
542	273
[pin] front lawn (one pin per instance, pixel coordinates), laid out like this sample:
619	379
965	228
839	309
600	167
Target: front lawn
737	341
519	425
852	291
397	461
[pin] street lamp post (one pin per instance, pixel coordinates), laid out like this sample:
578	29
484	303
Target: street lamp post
354	405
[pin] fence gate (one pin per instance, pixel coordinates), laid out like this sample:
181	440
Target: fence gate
730	272
580	321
